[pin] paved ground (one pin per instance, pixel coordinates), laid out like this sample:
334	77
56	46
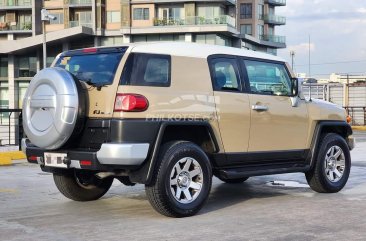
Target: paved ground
31	208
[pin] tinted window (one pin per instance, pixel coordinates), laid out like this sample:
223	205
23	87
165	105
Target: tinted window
92	68
147	70
268	78
225	75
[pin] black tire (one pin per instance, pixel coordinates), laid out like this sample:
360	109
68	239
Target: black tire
234	180
160	193
81	186
317	177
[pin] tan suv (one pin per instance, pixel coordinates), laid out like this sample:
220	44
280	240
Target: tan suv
172	115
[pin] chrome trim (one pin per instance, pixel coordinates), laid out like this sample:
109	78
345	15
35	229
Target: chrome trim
351	141
129	154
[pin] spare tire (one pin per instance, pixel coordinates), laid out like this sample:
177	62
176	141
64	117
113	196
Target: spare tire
53	108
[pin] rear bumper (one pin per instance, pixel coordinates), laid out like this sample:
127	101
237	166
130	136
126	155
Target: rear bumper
116	155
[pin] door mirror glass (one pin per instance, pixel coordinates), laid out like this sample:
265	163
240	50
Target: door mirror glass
295	86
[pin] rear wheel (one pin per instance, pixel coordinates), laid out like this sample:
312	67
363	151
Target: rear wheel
183	180
332	165
81	186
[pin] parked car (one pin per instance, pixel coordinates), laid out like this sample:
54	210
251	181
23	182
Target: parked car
172	115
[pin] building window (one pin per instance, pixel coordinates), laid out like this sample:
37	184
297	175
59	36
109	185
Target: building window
245	10
25	21
4	101
260	11
209	12
27	66
113	17
271	31
59	18
141	14
22	88
3	66
213	39
272	51
246	29
158	37
112	41
260	30
175	13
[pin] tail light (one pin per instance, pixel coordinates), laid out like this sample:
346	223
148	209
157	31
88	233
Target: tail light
130	103
90	50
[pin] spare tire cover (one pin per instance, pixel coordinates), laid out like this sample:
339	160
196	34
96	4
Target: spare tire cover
50	108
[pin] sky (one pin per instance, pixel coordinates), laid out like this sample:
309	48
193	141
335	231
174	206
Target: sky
337	30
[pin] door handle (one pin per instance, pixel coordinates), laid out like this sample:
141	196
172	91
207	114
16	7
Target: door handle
259	107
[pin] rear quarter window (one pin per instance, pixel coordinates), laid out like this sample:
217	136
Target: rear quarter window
147	70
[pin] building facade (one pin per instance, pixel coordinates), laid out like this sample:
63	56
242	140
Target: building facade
86	23
257	21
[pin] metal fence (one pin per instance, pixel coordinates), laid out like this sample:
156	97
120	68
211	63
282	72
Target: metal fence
351	97
11	128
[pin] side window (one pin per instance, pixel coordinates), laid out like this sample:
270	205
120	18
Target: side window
225	74
268	78
147	70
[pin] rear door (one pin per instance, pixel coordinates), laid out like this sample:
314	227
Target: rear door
232	105
276	126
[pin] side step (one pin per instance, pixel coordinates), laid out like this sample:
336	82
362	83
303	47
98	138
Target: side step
249	171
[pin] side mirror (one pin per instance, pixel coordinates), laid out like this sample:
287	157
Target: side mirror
295	92
294	87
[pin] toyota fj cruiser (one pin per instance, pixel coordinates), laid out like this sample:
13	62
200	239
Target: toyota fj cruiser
172	115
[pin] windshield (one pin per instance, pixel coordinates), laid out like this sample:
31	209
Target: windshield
94	69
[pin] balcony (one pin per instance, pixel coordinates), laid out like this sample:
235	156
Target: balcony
274	19
78	23
219	20
273	38
80	3
15	4
226	2
276	2
15	27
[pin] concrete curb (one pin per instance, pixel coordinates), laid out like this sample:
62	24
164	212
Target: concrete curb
359	128
7	157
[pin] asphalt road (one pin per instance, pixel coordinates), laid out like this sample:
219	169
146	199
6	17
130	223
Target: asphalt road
31	208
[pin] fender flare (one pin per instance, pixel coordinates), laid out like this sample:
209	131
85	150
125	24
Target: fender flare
145	174
321	125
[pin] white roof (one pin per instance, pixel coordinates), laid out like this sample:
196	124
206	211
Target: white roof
187	49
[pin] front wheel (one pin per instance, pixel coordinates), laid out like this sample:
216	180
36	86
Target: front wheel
81	185
332	165
183	180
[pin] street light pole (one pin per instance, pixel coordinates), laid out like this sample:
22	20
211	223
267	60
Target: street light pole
44	45
45	16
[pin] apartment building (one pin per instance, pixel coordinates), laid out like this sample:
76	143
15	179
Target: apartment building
257	20
86	23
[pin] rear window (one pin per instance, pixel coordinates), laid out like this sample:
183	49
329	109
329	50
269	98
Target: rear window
96	69
147	70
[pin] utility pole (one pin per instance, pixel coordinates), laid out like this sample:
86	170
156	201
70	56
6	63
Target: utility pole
292	54
45	17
